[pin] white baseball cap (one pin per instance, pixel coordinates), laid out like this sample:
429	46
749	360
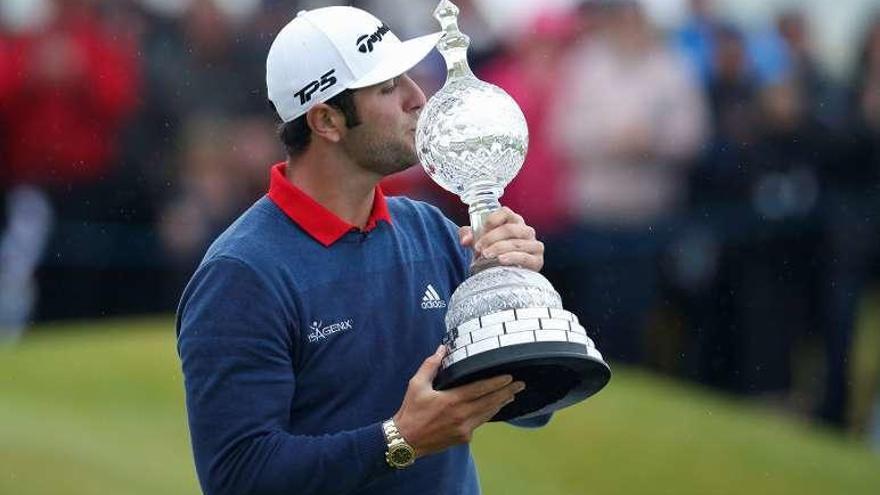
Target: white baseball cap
322	52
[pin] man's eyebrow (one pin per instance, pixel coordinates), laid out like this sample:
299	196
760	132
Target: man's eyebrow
393	82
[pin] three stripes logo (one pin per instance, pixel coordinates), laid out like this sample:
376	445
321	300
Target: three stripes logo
431	299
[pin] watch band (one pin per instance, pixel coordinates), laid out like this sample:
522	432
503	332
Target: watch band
398	453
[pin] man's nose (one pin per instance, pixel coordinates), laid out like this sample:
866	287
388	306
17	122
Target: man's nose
415	97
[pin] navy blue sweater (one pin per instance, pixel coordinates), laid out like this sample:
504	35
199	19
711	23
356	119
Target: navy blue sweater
294	352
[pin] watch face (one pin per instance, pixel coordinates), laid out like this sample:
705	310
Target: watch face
401	456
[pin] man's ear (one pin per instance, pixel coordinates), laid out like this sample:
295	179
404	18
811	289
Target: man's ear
326	122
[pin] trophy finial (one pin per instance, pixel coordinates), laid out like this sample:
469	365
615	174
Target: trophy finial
454	44
446	13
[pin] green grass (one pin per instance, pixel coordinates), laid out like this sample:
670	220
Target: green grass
100	411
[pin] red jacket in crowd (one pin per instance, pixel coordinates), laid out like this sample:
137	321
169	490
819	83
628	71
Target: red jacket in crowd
64	93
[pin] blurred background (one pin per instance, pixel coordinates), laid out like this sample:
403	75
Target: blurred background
705	174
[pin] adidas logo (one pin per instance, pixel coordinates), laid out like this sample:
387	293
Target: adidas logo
432	299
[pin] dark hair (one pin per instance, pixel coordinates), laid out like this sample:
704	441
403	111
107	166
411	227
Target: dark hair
296	134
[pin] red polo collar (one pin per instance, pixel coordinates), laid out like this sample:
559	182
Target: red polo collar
319	222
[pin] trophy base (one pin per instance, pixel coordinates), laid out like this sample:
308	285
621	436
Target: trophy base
556	374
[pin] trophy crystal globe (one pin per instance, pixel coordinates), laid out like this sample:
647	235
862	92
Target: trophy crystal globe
472	140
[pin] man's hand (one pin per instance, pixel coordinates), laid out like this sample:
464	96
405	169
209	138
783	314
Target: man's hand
508	239
432	421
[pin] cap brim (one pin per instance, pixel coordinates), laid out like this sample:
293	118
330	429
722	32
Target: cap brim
408	54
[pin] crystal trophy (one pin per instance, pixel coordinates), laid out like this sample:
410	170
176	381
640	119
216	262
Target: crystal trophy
472	140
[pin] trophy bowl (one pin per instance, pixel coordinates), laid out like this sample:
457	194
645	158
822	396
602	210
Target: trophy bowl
472	139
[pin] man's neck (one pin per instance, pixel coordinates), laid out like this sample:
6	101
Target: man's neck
340	187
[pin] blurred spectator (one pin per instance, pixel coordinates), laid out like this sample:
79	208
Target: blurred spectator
767	54
588	18
529	70
199	65
734	118
757	191
204	67
630	118
820	94
775	265
852	225
215	184
66	88
719	185
697	37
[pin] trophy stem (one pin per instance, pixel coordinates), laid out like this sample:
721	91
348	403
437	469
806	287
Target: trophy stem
480	204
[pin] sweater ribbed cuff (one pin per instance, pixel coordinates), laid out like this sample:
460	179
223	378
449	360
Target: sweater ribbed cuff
371	450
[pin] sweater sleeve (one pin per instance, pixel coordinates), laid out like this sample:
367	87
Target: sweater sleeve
234	342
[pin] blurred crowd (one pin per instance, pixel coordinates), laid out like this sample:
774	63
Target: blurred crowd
709	195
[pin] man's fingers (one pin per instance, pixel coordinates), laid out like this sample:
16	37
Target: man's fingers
428	370
478	389
524	260
529	246
488	415
488	405
501	217
504	232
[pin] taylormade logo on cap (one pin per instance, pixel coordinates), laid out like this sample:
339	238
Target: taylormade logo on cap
365	42
323	52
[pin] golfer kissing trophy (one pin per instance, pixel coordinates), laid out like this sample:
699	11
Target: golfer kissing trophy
472	139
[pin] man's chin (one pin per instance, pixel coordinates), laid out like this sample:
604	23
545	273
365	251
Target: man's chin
403	167
409	161
395	160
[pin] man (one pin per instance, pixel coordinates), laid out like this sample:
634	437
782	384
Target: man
631	121
302	334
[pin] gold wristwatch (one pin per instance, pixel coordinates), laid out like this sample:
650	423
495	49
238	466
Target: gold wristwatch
398	453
